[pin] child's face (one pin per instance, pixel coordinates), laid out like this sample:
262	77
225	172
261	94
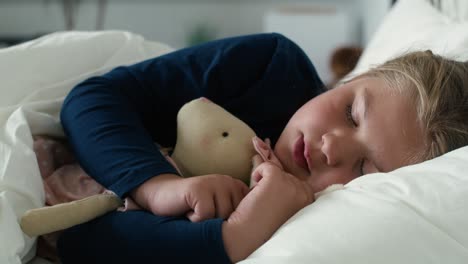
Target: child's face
358	128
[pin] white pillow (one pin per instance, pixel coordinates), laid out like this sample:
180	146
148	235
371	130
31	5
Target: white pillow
35	78
415	25
416	214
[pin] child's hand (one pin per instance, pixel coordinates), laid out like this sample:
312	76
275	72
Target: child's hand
278	191
276	197
199	198
211	196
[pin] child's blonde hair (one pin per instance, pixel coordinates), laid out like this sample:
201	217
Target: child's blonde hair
439	88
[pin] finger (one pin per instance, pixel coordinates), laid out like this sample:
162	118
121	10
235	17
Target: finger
190	216
223	204
238	194
256	160
203	209
255	178
273	159
267	169
244	190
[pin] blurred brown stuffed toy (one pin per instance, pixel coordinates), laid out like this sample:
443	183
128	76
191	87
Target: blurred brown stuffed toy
342	61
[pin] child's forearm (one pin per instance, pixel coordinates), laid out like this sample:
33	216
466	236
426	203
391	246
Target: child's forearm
236	245
242	239
250	226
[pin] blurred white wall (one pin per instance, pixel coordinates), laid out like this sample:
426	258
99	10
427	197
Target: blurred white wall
172	21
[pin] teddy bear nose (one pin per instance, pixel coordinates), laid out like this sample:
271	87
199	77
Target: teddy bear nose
225	134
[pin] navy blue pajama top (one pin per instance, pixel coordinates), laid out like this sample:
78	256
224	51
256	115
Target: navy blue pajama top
112	120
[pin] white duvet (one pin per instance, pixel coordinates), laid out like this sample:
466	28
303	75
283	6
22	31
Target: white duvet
417	214
35	78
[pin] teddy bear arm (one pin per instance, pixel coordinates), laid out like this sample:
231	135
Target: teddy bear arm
44	220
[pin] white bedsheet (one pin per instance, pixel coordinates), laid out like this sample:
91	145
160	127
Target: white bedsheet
35	78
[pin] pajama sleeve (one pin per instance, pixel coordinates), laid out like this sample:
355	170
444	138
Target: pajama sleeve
141	237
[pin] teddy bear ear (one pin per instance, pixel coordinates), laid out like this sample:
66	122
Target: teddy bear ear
265	151
261	147
204	99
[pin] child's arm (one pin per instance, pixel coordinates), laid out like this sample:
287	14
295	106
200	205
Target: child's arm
275	198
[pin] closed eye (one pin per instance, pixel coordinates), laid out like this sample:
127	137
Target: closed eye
352	121
349	115
361	168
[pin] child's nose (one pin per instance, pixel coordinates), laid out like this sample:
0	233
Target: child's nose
338	149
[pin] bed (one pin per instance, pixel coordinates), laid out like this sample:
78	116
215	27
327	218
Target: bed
416	214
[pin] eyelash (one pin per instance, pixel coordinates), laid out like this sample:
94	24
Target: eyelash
361	168
349	117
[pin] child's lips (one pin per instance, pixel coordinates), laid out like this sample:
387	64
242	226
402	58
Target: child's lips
299	154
